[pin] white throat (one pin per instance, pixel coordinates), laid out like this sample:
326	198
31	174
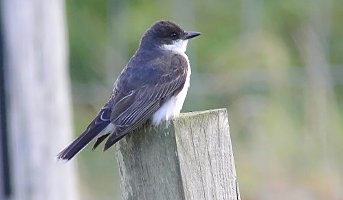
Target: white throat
172	107
178	46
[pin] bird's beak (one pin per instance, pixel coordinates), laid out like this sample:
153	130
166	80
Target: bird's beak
190	34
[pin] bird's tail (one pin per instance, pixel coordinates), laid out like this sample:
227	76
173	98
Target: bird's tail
82	141
101	125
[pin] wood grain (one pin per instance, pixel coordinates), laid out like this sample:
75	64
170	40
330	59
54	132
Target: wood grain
190	158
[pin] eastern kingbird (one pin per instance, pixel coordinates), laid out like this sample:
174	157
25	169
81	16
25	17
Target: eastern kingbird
152	87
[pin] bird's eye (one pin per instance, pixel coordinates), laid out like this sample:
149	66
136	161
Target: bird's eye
173	35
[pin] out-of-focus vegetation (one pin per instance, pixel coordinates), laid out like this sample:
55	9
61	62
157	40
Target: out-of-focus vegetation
276	66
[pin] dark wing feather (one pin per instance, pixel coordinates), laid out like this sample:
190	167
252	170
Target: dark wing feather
99	140
140	103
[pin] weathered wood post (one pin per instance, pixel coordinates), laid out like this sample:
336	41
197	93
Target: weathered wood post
190	158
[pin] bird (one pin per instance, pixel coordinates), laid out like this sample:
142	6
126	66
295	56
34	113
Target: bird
151	88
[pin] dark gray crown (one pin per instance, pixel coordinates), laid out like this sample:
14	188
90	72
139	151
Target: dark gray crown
165	32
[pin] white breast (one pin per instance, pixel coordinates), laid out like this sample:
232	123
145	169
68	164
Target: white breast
172	107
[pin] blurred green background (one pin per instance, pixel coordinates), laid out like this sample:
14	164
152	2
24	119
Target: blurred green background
276	66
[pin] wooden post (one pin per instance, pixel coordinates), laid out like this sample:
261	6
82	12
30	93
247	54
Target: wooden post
38	107
191	159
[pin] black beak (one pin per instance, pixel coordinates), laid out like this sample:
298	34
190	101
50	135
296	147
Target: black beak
190	34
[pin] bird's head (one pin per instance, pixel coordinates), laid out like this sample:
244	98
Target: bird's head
168	35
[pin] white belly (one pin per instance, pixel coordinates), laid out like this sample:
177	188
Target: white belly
172	107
